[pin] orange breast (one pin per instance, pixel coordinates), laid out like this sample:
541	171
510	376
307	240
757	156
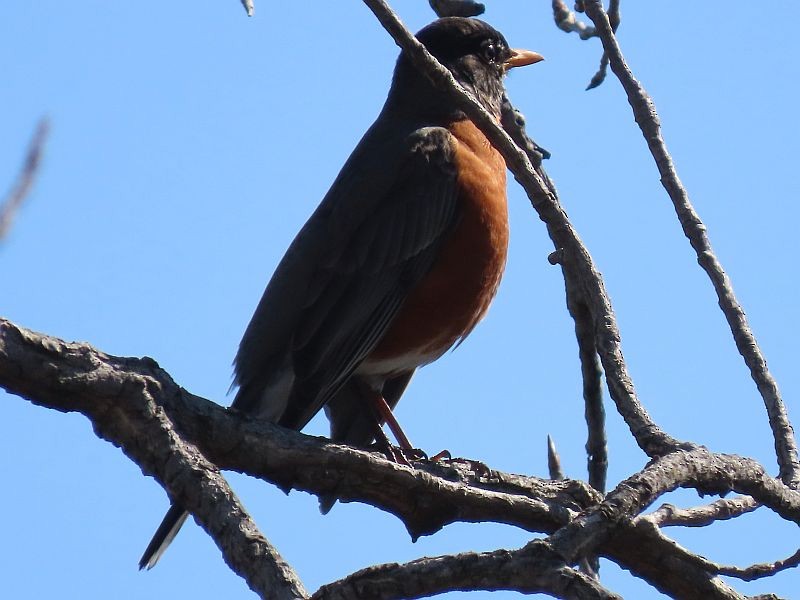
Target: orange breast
454	296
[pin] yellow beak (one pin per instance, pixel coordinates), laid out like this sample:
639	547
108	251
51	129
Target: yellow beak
521	58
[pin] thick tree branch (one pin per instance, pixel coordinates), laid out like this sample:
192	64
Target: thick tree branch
707	472
533	569
657	556
124	398
751	573
646	117
130	400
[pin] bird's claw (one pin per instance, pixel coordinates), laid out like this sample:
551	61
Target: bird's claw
441	456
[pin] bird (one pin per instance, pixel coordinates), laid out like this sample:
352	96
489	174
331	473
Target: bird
398	263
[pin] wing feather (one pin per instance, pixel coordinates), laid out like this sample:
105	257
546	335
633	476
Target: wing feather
349	271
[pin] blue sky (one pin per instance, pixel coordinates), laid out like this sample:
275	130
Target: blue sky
189	144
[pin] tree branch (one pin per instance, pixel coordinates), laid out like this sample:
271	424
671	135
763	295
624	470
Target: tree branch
22	187
129	400
707	472
567	21
723	509
533	569
646	117
553	461
457	8
513	123
574	254
123	397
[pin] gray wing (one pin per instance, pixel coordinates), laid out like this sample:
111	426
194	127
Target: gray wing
345	276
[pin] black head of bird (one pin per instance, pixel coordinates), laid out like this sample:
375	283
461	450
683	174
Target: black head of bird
475	53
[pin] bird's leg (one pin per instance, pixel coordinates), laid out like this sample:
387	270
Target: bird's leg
381	412
382	440
385	413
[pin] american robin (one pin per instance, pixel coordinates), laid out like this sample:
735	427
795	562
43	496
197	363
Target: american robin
398	263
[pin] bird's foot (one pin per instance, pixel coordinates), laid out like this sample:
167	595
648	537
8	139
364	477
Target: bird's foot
399	455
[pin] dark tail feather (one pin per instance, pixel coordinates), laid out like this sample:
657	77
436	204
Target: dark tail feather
163	536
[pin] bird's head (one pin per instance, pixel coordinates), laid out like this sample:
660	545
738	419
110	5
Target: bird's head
476	54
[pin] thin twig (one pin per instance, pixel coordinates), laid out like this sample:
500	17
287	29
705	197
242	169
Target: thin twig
567	21
614	18
553	460
22	187
596	443
760	570
646	117
457	8
723	509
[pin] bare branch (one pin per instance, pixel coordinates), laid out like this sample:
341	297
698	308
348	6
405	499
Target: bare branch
532	569
596	444
723	509
457	8
574	254
123	399
567	21
553	461
700	469
614	19
646	117
600	76
513	122
656	553
761	570
73	377
130	400
22	187
751	573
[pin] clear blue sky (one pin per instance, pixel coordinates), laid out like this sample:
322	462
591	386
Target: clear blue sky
189	144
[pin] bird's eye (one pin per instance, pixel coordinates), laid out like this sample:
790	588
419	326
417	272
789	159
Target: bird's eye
490	52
